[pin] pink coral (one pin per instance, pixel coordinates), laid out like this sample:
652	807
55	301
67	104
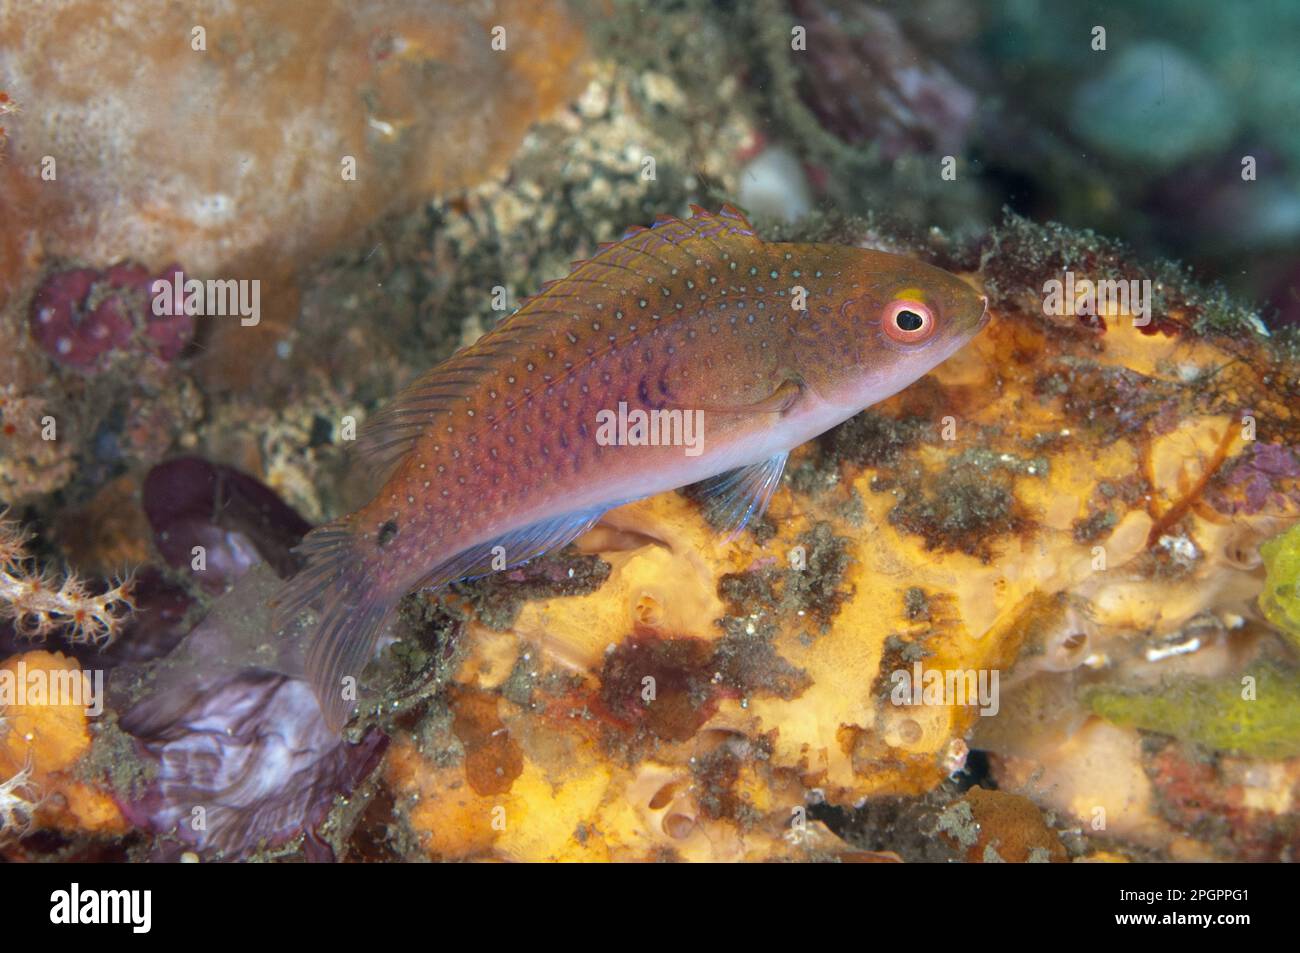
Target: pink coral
82	317
1261	478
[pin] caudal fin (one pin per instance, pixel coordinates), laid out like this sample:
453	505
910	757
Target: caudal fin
350	612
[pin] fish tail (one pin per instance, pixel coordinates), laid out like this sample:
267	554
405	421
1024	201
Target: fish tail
351	606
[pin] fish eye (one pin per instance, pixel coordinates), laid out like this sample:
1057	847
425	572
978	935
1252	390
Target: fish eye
907	321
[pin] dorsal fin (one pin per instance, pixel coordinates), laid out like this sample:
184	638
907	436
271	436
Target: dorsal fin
670	242
641	253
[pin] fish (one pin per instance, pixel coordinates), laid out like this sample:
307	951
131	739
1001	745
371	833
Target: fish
687	352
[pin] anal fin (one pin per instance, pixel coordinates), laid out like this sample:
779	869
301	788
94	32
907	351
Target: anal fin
514	548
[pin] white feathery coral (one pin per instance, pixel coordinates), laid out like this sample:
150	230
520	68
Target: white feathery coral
39	603
18	802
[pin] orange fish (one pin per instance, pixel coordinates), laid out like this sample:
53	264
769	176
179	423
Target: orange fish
690	351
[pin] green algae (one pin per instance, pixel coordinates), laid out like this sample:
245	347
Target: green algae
810	591
962	509
1280	600
1256	715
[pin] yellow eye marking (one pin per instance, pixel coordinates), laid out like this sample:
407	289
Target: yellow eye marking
912	294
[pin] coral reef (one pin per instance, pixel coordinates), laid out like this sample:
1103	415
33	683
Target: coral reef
1040	606
982	548
300	127
1071	505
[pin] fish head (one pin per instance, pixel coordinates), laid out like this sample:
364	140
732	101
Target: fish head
903	318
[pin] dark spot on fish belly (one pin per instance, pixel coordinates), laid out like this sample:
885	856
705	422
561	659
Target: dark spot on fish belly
643	394
386	533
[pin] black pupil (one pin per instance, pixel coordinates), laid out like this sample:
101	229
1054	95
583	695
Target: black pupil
909	321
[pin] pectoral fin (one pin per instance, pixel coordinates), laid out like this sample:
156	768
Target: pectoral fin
738	496
778	402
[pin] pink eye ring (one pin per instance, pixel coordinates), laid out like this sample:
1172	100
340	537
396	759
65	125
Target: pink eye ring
907	321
